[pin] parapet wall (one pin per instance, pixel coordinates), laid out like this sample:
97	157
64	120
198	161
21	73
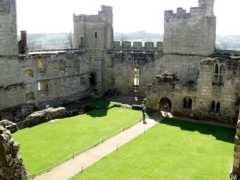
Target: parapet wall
137	45
183	14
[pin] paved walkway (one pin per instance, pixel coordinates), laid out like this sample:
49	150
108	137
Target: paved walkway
88	158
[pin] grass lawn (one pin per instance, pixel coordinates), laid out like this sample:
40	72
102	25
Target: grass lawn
172	150
47	145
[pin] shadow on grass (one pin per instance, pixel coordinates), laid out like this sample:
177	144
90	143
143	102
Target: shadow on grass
99	107
220	133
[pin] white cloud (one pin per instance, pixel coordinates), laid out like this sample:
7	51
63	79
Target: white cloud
129	15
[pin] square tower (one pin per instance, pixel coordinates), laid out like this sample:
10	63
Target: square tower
8	28
192	33
94	31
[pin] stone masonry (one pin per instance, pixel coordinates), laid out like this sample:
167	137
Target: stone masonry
12	167
235	175
205	78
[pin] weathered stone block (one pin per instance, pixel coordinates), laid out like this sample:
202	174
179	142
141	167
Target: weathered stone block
11	166
9	125
43	116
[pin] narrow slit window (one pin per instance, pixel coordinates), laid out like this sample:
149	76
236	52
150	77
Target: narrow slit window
190	103
136	77
213	106
218	107
96	35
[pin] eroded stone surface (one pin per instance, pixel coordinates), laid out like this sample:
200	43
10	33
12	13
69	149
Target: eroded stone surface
11	165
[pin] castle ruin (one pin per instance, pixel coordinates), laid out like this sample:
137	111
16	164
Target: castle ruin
184	74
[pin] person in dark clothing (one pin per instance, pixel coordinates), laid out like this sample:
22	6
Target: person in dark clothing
144	111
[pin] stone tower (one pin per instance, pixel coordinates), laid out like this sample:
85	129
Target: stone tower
192	33
94	31
208	5
8	28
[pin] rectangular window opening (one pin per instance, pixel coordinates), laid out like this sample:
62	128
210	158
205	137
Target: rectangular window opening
42	85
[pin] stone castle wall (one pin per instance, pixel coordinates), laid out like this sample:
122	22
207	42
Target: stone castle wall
235	174
190	33
44	79
94	31
53	78
8	28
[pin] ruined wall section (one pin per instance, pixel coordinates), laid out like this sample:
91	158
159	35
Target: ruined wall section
8	28
125	60
11	82
191	33
56	78
223	91
214	92
186	67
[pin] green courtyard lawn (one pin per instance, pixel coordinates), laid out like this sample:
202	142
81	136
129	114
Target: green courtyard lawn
172	150
47	145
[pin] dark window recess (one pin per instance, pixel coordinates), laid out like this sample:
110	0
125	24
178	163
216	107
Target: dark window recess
216	69
96	35
218	75
81	42
92	80
190	103
215	107
218	108
187	103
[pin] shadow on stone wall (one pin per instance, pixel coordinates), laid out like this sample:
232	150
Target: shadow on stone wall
220	133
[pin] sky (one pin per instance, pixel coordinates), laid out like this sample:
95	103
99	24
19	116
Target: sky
53	16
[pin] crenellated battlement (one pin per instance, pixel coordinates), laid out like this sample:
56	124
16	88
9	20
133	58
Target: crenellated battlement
137	45
205	8
192	32
181	14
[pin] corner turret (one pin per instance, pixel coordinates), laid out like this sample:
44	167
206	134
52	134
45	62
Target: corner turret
208	5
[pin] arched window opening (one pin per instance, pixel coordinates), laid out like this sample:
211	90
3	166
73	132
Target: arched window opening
185	103
190	103
216	69
221	69
213	106
29	73
218	107
165	104
218	74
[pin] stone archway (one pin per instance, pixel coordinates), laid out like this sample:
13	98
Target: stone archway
165	104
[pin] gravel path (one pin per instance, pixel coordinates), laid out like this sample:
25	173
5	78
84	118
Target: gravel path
88	158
